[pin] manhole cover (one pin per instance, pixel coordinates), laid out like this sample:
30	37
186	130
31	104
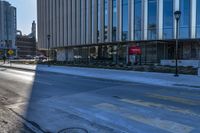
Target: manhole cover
73	130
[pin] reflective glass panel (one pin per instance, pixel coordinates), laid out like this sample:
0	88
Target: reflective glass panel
185	18
152	19
198	18
138	19
125	20
168	19
114	23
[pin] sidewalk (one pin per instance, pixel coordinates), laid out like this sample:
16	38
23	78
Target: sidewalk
162	79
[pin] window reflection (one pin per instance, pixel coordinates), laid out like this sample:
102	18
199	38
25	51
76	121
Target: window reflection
138	19
114	23
152	19
168	19
124	20
198	18
185	18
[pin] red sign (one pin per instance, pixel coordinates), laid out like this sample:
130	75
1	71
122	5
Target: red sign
135	50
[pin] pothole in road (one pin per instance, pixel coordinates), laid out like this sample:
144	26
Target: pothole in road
73	130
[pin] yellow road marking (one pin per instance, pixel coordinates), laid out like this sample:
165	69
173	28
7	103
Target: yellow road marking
170	126
169	108
174	99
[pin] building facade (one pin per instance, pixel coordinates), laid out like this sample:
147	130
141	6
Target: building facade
7	27
106	29
26	44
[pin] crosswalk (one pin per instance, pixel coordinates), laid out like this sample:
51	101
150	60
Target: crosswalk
142	116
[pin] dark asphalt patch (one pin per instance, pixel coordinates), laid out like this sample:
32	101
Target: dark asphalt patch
183	85
73	130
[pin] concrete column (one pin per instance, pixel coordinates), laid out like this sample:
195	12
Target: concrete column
160	19
69	22
70	54
61	31
58	23
102	16
83	23
65	23
61	54
110	18
89	22
132	10
193	18
95	19
119	20
54	23
73	22
176	7
78	22
51	22
145	19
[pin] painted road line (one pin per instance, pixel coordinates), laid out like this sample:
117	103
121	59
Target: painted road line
174	99
166	125
161	106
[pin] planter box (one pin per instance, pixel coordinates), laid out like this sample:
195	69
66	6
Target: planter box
185	63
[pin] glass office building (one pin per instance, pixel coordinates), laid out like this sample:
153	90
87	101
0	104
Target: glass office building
101	29
7	27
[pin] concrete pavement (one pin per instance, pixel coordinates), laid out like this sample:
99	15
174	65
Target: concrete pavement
163	79
50	102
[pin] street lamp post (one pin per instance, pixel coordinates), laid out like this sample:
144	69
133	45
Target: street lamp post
177	15
48	47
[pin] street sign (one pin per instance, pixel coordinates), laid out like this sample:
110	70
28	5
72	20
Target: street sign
10	52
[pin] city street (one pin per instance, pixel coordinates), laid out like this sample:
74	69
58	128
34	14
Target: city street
45	102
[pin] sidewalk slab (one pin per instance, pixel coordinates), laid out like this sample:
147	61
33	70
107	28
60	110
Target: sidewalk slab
162	79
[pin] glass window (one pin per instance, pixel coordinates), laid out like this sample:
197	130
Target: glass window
124	20
106	20
99	19
185	19
152	19
114	23
138	19
198	18
168	18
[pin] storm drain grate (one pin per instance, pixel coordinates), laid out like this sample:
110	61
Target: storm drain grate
73	130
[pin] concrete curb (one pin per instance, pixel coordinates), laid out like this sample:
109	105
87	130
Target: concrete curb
18	68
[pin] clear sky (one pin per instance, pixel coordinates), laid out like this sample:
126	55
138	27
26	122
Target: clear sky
26	13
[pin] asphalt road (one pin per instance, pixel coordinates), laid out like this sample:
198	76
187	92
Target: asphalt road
54	103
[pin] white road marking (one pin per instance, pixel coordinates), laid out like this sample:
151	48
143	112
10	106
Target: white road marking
174	99
169	126
157	105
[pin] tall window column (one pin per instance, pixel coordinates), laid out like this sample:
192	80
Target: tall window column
152	19
125	20
185	19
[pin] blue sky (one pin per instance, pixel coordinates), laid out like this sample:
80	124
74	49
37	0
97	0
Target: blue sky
26	13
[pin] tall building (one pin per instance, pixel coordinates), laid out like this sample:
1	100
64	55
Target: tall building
101	29
26	44
7	27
